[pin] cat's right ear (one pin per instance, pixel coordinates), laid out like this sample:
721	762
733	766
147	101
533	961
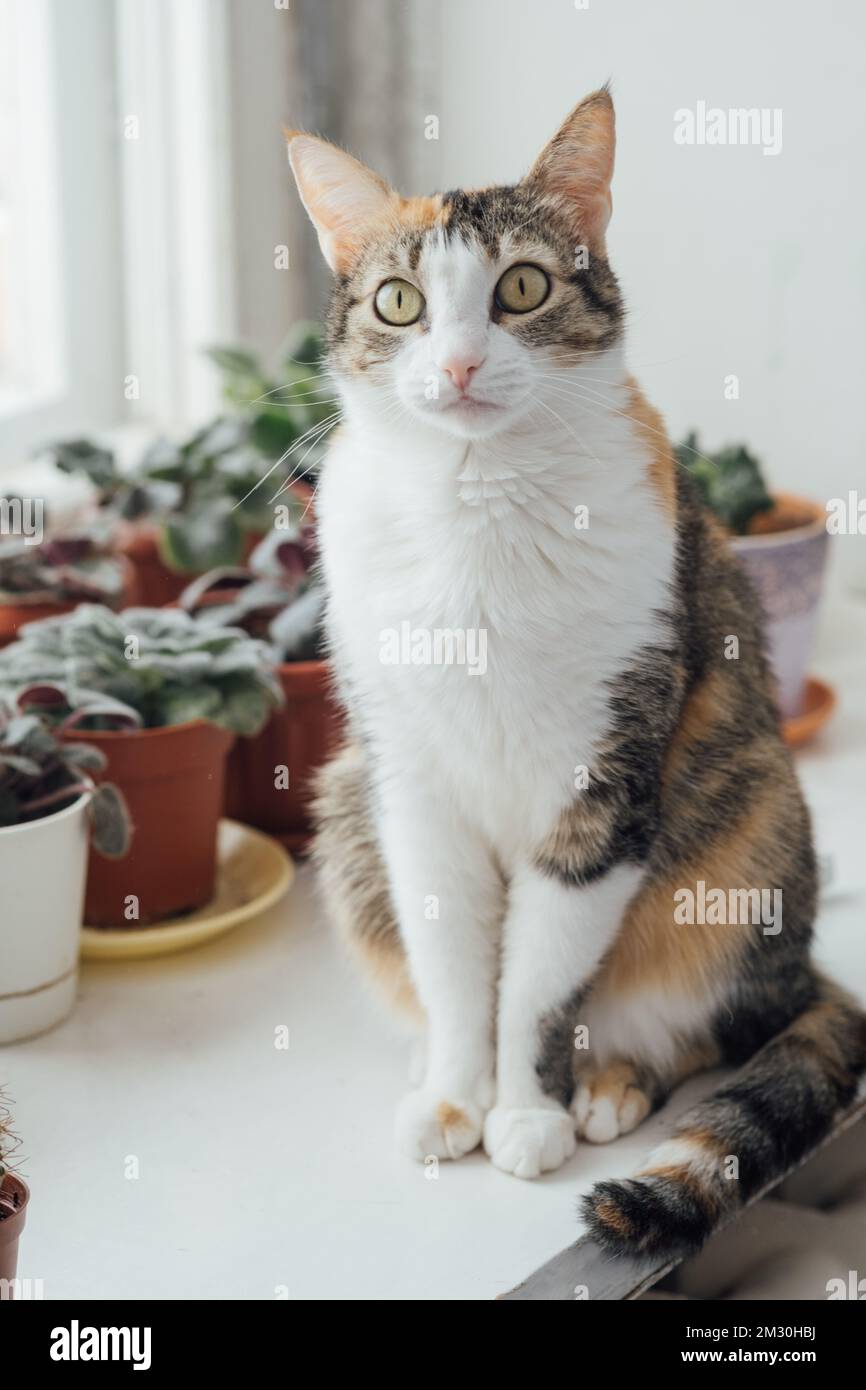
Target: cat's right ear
340	194
576	167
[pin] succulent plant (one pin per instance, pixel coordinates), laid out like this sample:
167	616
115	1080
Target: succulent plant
8	1143
282	406
279	598
40	771
122	493
159	662
730	482
60	569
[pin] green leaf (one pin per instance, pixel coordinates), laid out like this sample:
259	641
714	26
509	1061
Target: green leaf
234	360
730	482
83	456
110	824
304	346
201	541
273	431
194	702
246	709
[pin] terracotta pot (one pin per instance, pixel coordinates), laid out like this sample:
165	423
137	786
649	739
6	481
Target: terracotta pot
14	615
785	556
173	780
10	1230
156	585
299	737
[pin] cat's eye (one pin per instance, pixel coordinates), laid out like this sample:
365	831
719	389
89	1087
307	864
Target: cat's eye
399	303
522	288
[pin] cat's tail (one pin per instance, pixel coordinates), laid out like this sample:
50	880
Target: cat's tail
734	1144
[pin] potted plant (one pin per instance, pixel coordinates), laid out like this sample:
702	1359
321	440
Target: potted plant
189	506
50	811
41	580
193	690
14	1196
269	777
781	541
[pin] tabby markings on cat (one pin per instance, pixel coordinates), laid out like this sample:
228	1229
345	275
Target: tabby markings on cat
454	509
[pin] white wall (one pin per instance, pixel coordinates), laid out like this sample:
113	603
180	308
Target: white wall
731	261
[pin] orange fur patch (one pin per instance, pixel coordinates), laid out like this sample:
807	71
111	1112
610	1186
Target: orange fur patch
451	1116
703	1140
610	1215
420	213
385	961
651	429
654	951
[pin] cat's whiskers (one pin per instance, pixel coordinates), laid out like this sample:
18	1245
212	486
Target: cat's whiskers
288	452
320	432
582	444
596	399
287	386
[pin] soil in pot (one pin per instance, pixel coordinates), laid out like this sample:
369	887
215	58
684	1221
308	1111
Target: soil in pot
14	1196
785	555
173	780
294	744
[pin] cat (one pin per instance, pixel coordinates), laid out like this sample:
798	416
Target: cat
502	848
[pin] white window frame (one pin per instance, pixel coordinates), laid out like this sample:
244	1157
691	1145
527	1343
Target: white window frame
69	228
139	277
178	252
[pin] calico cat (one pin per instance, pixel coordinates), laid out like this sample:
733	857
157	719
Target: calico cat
505	845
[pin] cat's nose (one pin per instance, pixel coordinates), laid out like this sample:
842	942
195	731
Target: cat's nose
460	370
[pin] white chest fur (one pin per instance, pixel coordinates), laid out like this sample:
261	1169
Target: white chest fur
550	554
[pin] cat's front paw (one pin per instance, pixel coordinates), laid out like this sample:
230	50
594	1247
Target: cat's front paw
431	1122
527	1142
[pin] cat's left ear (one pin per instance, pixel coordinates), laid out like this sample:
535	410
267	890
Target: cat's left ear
577	165
340	193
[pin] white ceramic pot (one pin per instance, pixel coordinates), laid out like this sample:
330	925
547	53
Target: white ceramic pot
43	865
787	569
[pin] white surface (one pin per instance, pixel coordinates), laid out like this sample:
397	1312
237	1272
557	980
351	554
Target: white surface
262	1168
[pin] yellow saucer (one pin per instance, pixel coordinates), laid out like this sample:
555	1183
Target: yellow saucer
253	873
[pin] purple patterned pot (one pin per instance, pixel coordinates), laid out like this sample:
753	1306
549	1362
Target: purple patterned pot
787	569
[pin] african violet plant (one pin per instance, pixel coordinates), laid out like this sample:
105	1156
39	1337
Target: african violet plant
158	662
41	772
279	598
61	569
283	406
730	482
209	492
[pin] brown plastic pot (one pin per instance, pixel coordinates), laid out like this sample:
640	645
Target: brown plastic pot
173	780
10	1229
156	585
300	737
14	615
